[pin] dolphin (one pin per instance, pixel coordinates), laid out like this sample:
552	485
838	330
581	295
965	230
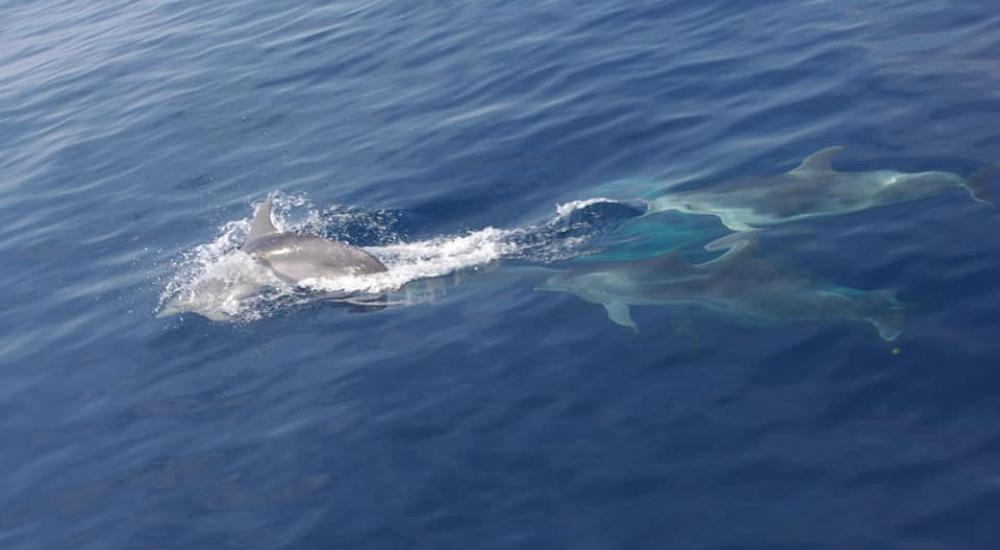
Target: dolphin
815	189
275	258
733	283
294	258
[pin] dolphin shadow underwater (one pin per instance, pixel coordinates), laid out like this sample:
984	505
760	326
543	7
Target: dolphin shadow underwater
815	189
734	283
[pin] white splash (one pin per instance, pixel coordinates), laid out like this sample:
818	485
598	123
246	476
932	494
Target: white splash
422	260
217	280
566	209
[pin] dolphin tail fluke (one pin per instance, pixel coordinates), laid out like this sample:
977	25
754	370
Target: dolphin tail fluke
737	246
889	326
980	182
890	316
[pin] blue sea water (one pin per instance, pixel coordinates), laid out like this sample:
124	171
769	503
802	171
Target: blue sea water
135	138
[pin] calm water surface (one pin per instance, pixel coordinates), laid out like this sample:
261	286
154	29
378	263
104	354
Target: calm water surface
136	136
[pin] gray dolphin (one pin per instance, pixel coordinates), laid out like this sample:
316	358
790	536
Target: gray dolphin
277	258
295	257
815	189
733	283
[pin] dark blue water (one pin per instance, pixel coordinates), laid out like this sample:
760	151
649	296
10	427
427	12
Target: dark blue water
136	136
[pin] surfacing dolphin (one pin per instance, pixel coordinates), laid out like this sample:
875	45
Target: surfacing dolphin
815	189
733	283
295	257
277	257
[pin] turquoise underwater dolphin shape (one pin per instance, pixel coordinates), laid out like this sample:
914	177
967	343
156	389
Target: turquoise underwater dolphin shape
815	189
734	283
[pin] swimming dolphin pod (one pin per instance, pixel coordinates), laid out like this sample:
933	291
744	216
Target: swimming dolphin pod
815	189
739	284
734	283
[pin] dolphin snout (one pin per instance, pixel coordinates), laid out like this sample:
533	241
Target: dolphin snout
168	310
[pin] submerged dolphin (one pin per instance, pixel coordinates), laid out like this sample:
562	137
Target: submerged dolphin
733	283
277	257
815	189
295	257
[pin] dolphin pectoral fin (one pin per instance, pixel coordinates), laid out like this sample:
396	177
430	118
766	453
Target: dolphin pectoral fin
736	245
262	225
819	161
619	314
980	182
734	242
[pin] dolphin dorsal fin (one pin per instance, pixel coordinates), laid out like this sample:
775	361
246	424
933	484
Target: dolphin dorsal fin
819	161
261	226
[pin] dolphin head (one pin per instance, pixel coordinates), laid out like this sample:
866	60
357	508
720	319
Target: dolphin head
557	282
600	283
590	283
180	307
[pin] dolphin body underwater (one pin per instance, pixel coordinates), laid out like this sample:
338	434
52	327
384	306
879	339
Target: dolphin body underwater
815	189
733	283
290	257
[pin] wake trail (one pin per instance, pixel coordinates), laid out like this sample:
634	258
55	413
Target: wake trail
219	281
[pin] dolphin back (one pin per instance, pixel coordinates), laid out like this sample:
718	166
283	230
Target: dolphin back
298	257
